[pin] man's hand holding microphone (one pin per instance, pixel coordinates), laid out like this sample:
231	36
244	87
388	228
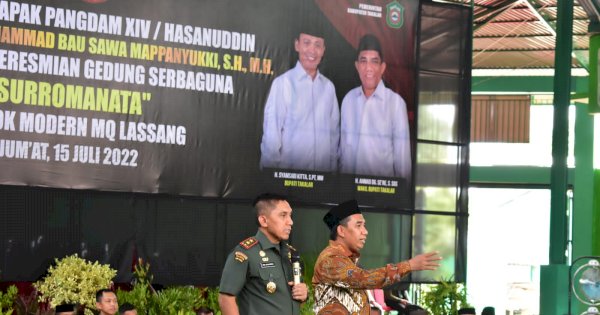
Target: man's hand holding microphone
299	289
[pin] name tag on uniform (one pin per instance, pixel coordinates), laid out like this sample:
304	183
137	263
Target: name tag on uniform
267	265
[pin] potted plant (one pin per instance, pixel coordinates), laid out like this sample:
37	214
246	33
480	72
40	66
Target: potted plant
74	280
177	300
308	266
211	299
7	300
445	298
27	304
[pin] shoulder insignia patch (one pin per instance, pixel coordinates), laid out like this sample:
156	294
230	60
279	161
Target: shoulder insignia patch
249	242
241	257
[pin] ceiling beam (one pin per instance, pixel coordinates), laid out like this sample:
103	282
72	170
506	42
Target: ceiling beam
523	50
532	4
500	6
468	2
592	9
523	36
535	6
525	84
492	13
550	19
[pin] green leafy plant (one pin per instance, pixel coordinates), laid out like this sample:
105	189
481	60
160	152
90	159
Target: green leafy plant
308	263
177	300
74	280
445	298
141	272
7	300
140	296
180	300
211	299
27	304
307	307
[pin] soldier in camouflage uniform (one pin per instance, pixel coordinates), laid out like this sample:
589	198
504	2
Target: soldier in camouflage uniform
257	274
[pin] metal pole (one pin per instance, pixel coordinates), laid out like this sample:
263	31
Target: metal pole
558	176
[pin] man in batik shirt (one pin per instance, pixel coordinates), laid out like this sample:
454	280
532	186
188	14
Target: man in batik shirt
339	283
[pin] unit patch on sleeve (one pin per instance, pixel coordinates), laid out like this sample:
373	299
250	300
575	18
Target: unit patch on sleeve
241	257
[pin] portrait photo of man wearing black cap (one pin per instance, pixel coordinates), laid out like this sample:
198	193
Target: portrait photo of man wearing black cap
301	117
339	283
375	136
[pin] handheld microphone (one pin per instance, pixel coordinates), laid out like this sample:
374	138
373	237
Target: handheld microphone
296	269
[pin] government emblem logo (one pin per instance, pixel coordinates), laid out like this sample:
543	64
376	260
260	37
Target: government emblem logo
395	14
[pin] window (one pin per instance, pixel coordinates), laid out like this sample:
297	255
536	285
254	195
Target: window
503	265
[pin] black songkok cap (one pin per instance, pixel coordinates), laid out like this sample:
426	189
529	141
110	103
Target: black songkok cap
369	42
340	212
312	30
310	24
65	308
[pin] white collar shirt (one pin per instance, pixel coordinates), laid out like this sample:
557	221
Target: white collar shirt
375	137
301	123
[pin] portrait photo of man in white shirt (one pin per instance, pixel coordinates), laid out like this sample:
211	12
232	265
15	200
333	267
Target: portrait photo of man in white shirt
301	126
375	136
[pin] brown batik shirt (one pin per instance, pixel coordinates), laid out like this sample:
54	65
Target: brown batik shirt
340	284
